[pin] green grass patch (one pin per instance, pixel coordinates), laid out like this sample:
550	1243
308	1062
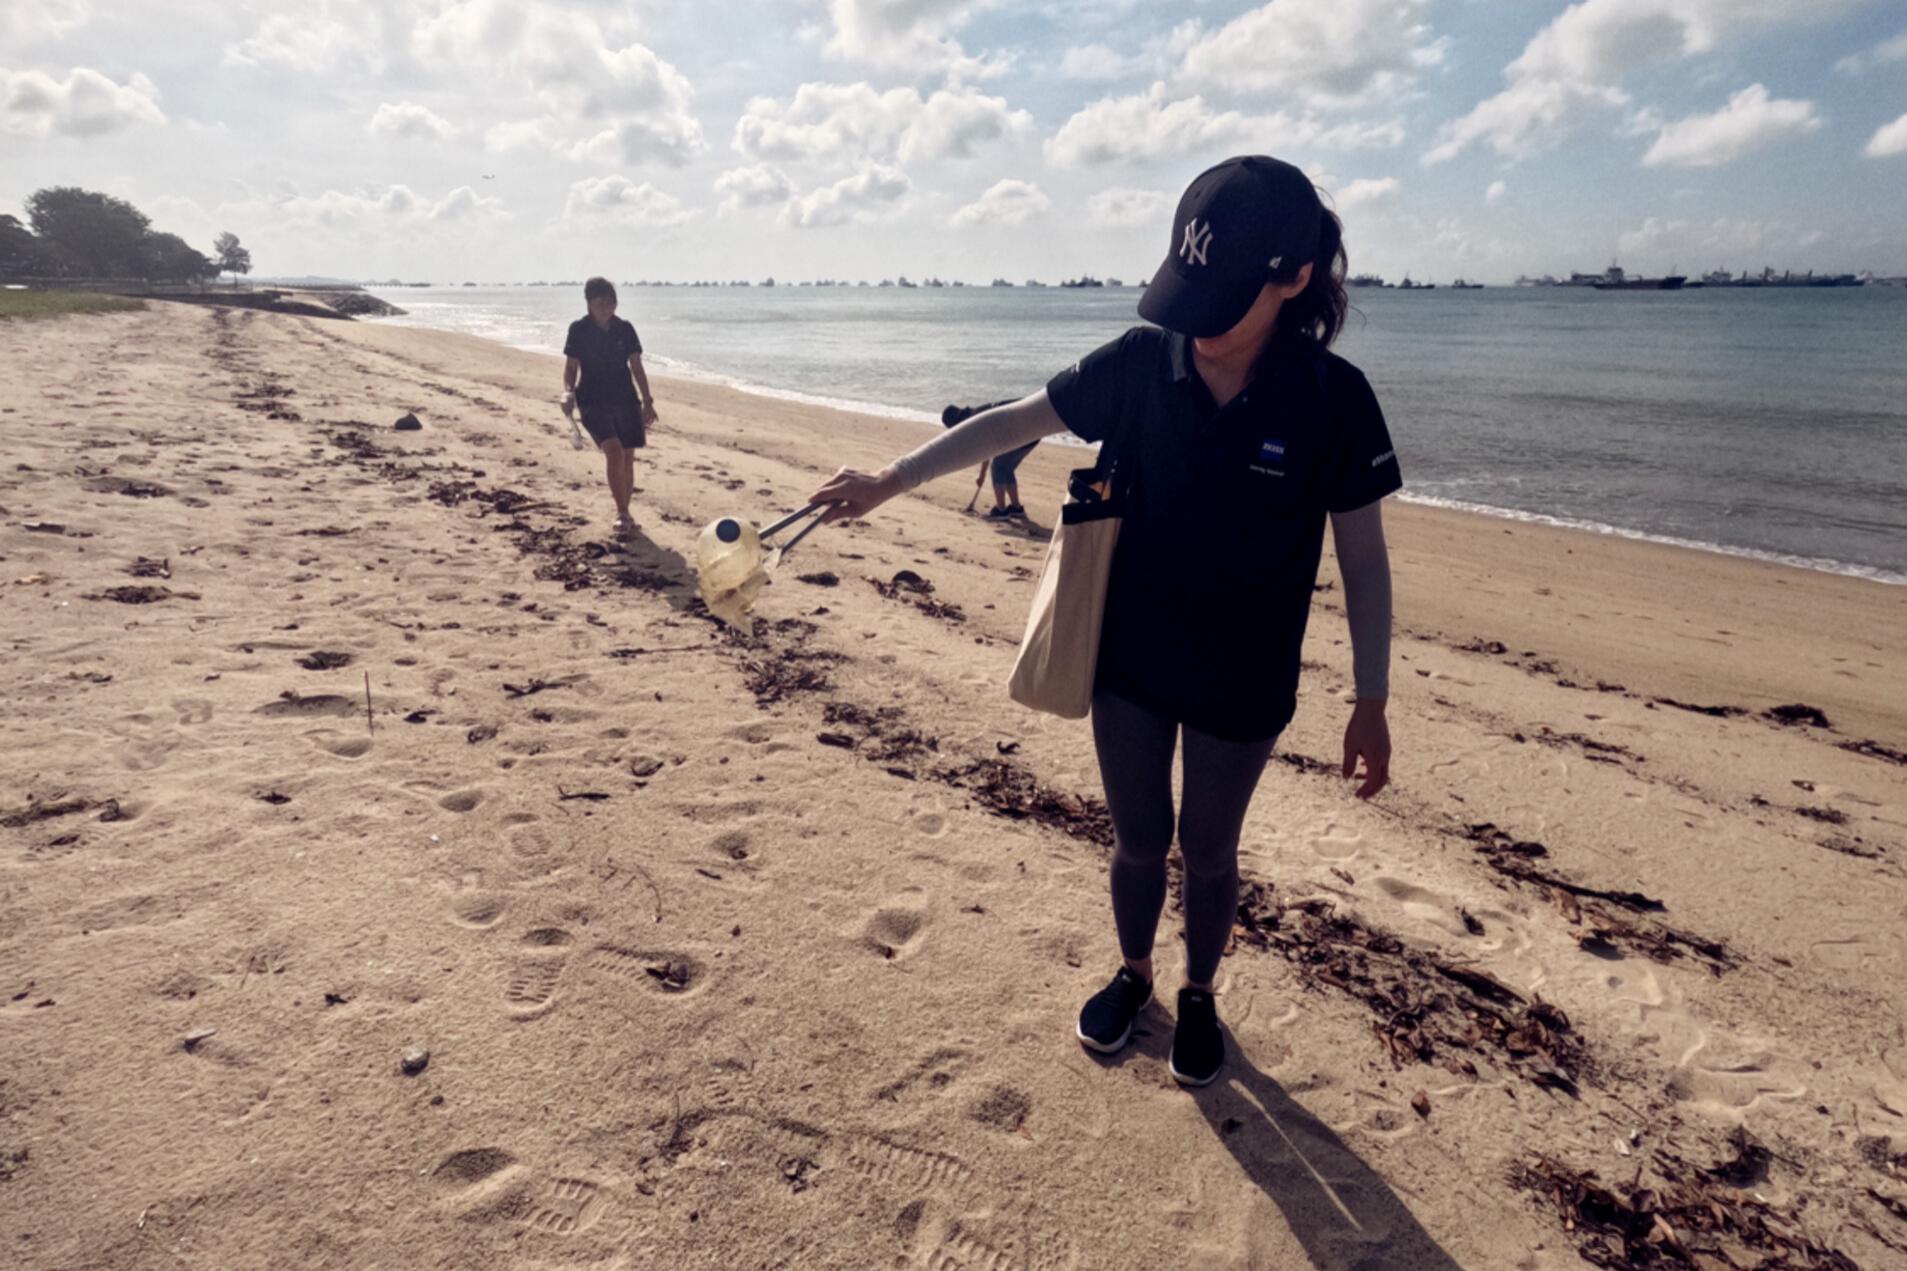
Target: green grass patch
53	304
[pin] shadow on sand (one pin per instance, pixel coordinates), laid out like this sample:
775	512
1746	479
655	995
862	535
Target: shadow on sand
1345	1215
648	566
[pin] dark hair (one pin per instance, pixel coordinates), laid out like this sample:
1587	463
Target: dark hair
599	287
1319	310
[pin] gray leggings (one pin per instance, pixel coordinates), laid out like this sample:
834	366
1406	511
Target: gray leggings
1135	763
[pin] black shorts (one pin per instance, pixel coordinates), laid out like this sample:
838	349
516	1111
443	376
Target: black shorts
619	422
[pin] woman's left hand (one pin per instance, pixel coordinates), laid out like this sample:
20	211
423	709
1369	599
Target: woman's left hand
649	415
1368	737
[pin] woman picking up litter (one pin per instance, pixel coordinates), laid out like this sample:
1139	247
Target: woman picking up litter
1238	435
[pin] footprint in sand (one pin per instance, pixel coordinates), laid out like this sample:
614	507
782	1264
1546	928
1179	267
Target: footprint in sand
565	1207
1338	844
471	1166
461	801
533	849
665	973
1423	904
343	745
193	710
1010	1237
934	1071
531	989
479	910
895	930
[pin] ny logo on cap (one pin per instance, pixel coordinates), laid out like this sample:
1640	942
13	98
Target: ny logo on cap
1197	241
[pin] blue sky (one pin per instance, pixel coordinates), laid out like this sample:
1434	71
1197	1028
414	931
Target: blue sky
501	140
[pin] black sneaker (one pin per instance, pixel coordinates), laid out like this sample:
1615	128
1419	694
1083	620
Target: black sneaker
1105	1022
1198	1048
999	514
1015	512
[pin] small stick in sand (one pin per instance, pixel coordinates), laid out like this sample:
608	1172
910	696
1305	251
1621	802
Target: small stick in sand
370	723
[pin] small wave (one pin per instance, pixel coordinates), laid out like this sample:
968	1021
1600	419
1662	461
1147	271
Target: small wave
678	369
1820	564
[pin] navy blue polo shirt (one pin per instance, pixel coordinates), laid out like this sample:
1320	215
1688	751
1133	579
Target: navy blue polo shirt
604	353
1218	552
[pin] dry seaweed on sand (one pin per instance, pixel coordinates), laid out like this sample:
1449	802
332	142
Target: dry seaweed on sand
143	594
1427	1010
325	660
40	810
1591	906
1011	790
1686	1216
1875	750
917	591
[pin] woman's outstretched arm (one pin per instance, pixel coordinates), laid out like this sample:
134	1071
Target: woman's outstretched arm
987	434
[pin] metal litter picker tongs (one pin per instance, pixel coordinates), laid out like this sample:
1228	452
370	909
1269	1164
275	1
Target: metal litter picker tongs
732	561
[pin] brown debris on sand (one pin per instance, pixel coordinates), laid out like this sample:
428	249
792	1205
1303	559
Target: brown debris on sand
1655	940
1685	1216
1427	1010
1798	713
1875	750
325	660
1011	790
145	594
917	591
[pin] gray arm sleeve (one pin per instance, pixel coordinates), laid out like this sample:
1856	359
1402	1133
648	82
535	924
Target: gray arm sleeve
1364	564
987	434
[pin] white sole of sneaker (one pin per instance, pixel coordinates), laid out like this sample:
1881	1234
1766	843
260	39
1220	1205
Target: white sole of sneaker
1192	1082
1103	1047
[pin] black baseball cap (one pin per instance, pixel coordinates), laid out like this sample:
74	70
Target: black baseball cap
1238	225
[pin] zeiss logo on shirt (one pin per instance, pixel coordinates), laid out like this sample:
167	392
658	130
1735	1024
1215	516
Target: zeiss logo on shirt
1271	458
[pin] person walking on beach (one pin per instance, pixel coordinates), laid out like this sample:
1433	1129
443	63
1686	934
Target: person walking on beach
604	353
1002	468
1245	435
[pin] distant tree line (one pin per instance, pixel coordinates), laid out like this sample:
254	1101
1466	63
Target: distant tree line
82	234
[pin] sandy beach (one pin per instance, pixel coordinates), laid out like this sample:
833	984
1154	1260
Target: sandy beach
329	745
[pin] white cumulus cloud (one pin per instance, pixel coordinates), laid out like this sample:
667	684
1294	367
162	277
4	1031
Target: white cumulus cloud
1888	140
409	120
1123	207
850	123
910	37
1572	70
84	104
762	185
1322	52
1150	125
1495	193
314	40
595	100
1367	190
1886	53
1007	202
617	198
875	190
371	210
24	22
1750	121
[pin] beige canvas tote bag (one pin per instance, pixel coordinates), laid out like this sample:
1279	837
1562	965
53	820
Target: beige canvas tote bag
1059	654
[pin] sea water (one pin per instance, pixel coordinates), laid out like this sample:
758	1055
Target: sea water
1764	423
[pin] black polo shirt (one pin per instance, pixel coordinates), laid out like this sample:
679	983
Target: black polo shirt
604	353
1219	549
